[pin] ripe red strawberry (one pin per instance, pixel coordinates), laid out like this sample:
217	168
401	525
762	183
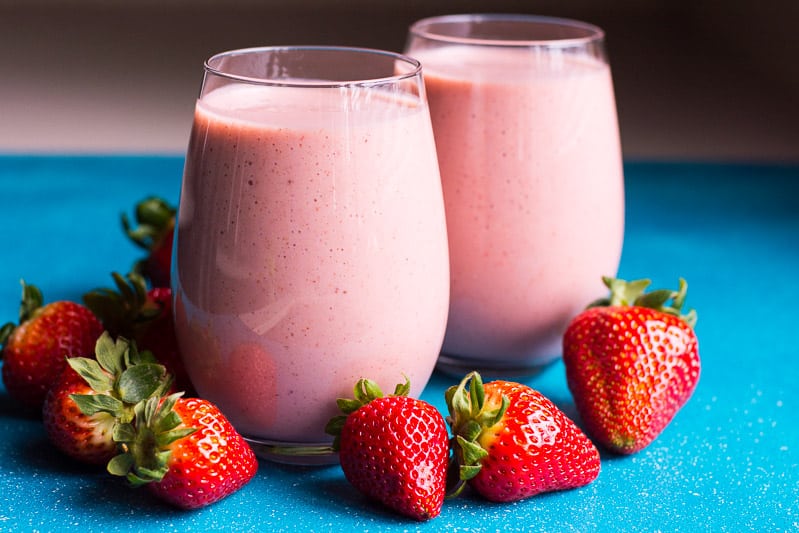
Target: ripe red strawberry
154	233
184	450
511	442
82	408
393	449
632	361
144	315
35	351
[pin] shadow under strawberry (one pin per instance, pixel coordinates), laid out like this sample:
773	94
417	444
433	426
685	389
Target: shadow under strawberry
117	498
35	453
11	409
341	498
327	490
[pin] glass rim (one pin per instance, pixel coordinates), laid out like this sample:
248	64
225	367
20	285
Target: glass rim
593	32
415	66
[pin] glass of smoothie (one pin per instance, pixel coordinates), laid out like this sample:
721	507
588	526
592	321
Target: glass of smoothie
525	124
311	245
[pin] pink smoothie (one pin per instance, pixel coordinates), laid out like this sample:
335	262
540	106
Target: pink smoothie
530	159
308	254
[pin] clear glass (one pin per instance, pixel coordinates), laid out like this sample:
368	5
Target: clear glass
311	244
525	123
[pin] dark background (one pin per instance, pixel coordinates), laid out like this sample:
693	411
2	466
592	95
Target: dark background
695	79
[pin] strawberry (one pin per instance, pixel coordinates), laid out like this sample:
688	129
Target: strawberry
85	438
145	316
35	351
393	449
155	219
632	361
83	407
184	450
511	442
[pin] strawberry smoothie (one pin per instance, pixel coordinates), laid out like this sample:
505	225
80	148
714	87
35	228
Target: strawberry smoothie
311	251
530	158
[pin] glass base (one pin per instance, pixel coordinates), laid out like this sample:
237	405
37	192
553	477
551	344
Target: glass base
490	369
294	453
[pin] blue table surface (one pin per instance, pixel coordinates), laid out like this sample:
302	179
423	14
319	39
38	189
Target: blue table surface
728	462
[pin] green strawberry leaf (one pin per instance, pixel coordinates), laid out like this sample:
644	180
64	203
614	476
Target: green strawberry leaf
367	390
143	411
459	402
121	464
129	293
32	300
90	370
124	432
655	299
467	472
145	356
90	404
624	292
476	393
154	407
470	430
348	405
449	394
168	437
5	332
690	318
104	303
473	453
492	417
403	389
153	216
111	354
137	481
679	296
141	381
141	475
335	424
167	421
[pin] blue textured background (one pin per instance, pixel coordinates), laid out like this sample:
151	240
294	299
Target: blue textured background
728	462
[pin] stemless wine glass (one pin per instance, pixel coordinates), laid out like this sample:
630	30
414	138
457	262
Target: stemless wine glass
311	244
528	144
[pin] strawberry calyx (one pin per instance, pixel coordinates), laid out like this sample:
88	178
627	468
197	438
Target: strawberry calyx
155	218
31	301
134	311
146	438
365	391
126	310
469	415
121	377
633	293
154	232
